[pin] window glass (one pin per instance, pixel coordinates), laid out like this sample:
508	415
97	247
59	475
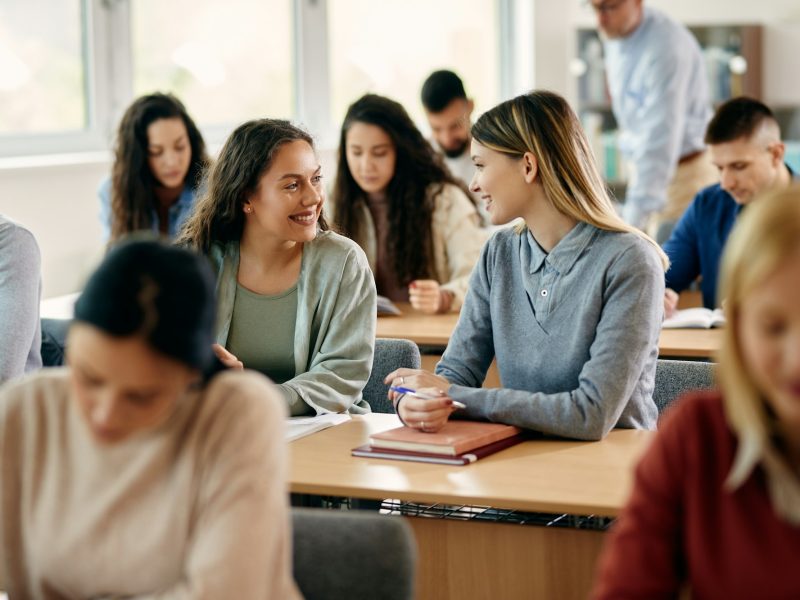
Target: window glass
42	67
227	61
390	47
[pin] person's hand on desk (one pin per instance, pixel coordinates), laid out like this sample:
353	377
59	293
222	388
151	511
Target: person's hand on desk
670	302
427	296
226	358
428	415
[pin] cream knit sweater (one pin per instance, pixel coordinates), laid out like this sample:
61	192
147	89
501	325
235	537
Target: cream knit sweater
196	508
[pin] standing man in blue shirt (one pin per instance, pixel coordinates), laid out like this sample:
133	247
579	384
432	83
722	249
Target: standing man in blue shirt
745	145
660	98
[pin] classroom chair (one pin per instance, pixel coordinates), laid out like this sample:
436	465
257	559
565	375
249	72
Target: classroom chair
341	555
389	355
54	336
676	377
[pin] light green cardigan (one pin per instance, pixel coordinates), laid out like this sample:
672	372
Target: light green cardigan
334	335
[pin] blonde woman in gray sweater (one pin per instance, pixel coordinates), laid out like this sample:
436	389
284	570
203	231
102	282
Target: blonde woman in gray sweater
570	303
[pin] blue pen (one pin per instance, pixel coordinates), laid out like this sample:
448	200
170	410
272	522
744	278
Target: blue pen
416	394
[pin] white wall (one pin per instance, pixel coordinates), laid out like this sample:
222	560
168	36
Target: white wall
59	204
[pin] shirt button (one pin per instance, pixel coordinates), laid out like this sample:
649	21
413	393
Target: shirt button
544	293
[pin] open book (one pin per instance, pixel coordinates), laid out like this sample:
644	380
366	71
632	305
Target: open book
695	318
387	307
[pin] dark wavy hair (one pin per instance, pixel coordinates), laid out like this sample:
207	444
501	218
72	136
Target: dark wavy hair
132	183
410	205
247	154
164	294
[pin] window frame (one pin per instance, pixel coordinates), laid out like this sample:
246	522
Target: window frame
108	62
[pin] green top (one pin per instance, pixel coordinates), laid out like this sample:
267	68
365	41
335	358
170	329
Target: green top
334	331
258	317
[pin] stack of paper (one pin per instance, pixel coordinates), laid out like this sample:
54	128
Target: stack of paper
298	427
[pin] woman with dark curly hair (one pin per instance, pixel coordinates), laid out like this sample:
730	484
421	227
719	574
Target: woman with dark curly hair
159	160
418	227
296	301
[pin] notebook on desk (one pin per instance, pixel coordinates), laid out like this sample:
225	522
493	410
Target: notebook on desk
457	443
367	451
695	318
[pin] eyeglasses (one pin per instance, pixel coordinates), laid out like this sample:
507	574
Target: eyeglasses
607	6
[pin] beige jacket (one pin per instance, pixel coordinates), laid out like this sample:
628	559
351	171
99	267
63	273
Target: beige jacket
457	240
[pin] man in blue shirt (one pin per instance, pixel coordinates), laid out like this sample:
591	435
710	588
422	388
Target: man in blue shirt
745	145
660	98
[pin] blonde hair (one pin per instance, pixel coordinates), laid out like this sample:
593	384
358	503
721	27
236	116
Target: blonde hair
542	123
766	235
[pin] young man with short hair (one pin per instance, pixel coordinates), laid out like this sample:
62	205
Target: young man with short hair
449	113
745	145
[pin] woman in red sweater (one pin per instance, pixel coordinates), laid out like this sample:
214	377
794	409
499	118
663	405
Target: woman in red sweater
716	502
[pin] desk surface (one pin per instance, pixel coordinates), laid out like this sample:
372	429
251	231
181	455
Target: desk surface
689	343
435	330
543	476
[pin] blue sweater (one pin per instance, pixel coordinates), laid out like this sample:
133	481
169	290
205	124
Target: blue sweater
575	333
696	244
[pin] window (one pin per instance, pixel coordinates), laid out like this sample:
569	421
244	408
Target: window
69	68
389	48
43	78
227	62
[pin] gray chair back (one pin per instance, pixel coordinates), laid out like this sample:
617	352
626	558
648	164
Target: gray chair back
54	341
349	555
676	377
389	355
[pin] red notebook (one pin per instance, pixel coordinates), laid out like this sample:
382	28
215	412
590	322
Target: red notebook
466	458
456	437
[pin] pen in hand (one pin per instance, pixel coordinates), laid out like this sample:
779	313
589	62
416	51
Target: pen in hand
416	394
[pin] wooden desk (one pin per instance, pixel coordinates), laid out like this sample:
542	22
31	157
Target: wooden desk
422	329
435	330
470	559
689	343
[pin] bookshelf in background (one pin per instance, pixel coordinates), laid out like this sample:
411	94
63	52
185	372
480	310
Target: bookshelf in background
789	121
733	63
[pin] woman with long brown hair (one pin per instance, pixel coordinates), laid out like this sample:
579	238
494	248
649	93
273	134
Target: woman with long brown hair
159	158
394	197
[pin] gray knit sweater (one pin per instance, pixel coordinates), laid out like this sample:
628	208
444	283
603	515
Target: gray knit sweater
575	333
20	294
